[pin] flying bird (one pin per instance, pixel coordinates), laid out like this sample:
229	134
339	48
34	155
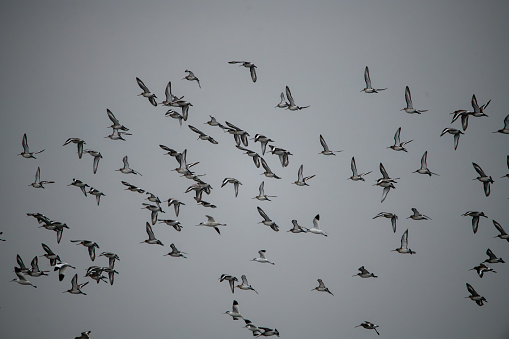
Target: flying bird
261	195
409	106
418	216
504	130
97	156
80	184
482	268
151	237
21	278
146	92
266	220
247	64
126	169
38	183
190	76
424	166
202	135
291	105
503	234
486	180
364	273
245	285
369	326
475	218
211	223
475	296
261	258
175	252
326	150
26	152
90	245
116	124
298	228
388	215
75	287
492	258
234	313
316	226
231	280
404	245
367	79
455	132
301	179
78	142
321	287
398	145
97	194
235	183
355	175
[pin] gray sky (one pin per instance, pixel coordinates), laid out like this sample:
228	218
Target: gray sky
65	63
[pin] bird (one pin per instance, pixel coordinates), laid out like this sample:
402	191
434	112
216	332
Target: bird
80	184
409	107
282	103
486	180
464	114
1	234
247	64
173	223
326	150
213	122
126	169
252	154
50	255
298	228
211	223
175	115
316	226
398	145
268	173
245	285
75	287
154	210
418	216
60	267
475	218
26	152
38	183
504	130
132	188
492	258
252	327
97	156
368	88
261	193
263	140
475	296
424	166
111	273
282	154
386	182
146	92
239	135
176	205
202	135
116	124
355	175
404	244
266	220
22	268
291	105
267	332
88	244
79	143
301	179
321	287
35	271
261	258
117	135
369	326
170	98
151	237
190	76
482	268
96	193
364	273
234	313
388	215
455	132
175	252
503	234
21	278
112	257
231	280
235	183
84	335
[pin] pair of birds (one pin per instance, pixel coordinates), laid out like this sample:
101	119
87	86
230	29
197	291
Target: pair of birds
290	104
315	229
231	280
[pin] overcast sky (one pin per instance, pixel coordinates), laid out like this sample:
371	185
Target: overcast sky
65	63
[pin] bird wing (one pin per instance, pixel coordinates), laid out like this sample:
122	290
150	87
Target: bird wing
424	165
471	290
396	137
150	233
324	144
24	143
363	270
404	240
475	106
263	214
112	117
490	254
479	169
289	96
196	130
384	172
299	173
353	166
38	175
142	85
47	249
367	79
253	72
316	222
499	227
126	163
408	98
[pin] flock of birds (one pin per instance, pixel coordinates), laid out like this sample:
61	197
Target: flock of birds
199	187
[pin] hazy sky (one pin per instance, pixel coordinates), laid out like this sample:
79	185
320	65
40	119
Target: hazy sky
65	63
